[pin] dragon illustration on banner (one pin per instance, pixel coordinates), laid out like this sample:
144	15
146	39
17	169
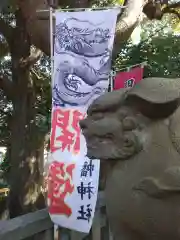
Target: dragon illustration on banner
83	62
91	41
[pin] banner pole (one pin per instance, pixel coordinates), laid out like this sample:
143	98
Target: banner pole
52	70
80	9
113	74
51	41
111	81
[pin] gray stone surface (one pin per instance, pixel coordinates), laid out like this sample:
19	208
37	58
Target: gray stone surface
136	134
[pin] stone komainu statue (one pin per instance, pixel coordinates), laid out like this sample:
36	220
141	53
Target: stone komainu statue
136	132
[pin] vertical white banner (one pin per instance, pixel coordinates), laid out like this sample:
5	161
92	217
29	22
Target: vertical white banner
82	61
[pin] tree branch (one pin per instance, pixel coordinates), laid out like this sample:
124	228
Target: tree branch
6	86
36	54
127	22
6	30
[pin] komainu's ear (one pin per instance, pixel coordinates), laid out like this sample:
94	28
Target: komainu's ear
156	97
157	90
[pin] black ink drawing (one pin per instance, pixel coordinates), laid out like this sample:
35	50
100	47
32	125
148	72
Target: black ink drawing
89	41
76	81
85	214
85	190
87	169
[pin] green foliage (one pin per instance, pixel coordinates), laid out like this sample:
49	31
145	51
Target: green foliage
40	79
161	53
5	165
103	3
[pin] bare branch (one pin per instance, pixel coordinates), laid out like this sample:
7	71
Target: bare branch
6	86
35	74
6	30
36	54
127	22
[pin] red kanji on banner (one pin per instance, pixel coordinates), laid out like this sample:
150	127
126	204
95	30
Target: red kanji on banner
68	122
77	116
59	185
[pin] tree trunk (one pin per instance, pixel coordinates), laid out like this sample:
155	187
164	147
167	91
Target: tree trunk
37	21
24	176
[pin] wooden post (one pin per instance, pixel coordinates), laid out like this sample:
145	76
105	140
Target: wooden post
39	224
96	227
49	235
26	226
110	234
77	235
